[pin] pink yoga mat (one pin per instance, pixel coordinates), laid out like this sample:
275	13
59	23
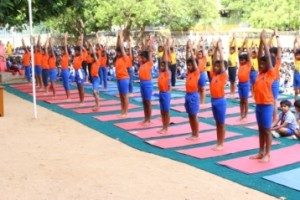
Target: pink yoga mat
279	158
131	115
89	104
58	93
242	144
236	120
102	109
73	100
173	102
232	110
154	123
182	141
181	108
173	130
59	97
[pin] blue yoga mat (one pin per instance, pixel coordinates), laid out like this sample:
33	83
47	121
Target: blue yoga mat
156	97
289	179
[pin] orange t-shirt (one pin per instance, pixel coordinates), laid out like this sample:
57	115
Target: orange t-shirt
64	61
38	58
277	68
45	63
89	59
26	59
163	81
52	62
202	64
244	72
145	71
191	84
103	61
77	62
263	87
129	61
84	54
95	69
217	84
121	68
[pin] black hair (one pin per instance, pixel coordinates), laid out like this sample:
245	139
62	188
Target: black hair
265	59
297	103
286	102
297	52
145	54
243	56
77	48
118	49
274	50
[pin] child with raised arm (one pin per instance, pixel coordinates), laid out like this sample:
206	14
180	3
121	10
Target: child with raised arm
202	61
146	64
65	73
264	99
79	73
233	65
52	67
26	62
122	74
297	67
45	66
164	87
244	77
217	91
254	66
192	95
38	63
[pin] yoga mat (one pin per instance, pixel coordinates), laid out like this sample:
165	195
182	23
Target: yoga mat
182	141
181	108
173	130
155	96
102	109
237	121
289	179
73	100
58	93
154	123
131	115
242	144
29	90
254	127
279	158
88	104
59	97
229	111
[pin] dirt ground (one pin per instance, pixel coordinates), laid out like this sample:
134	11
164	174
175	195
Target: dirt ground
55	157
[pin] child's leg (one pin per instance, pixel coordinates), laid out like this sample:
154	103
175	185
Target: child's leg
285	132
220	136
53	88
246	108
261	151
268	144
194	124
104	72
148	110
201	86
219	111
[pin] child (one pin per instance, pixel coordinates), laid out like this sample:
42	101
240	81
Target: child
45	66
122	74
264	99
217	90
192	95
164	87
79	73
297	67
65	73
254	67
201	66
276	52
38	62
95	76
233	65
26	62
145	69
288	124
52	68
130	67
244	76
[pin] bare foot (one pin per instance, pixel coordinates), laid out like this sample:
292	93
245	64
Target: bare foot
192	138
257	157
96	108
162	131
68	100
217	148
265	159
123	116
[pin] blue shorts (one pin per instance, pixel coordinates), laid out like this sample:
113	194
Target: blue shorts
290	132
38	70
146	89
219	109
45	76
27	72
232	74
202	79
65	74
164	101
275	89
96	83
253	76
192	103
79	76
52	74
264	115
123	86
296	80
244	89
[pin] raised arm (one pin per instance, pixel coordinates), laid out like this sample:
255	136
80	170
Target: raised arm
24	46
151	48
246	46
121	43
38	43
129	46
51	47
220	49
190	49
92	50
270	44
279	48
66	43
81	43
266	49
233	43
